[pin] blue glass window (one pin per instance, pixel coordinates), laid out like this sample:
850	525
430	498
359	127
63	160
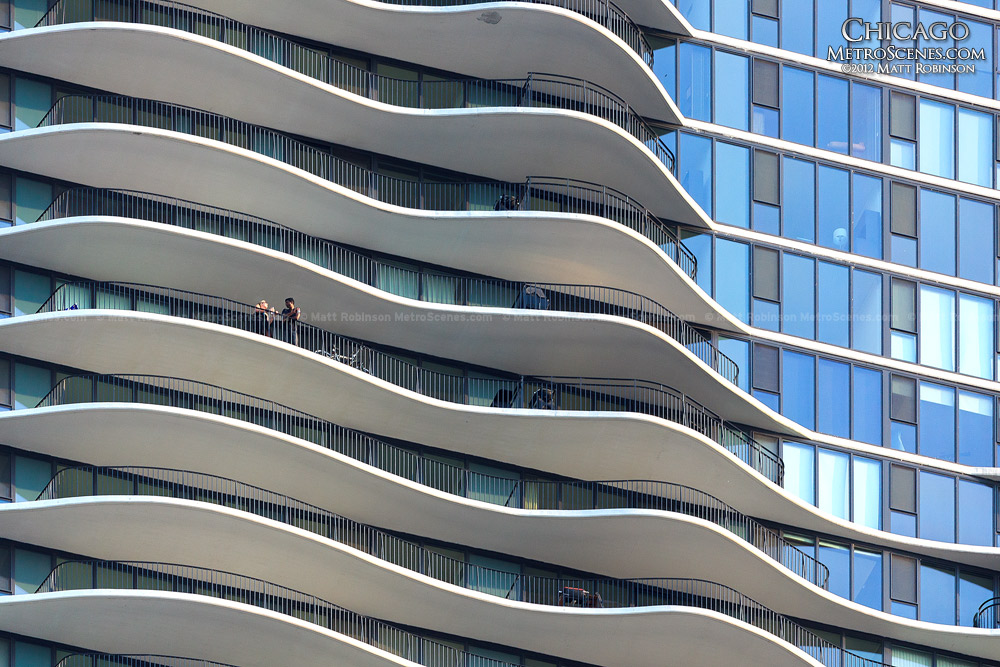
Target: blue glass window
867	496
866	318
831	106
867	406
732	280
798	388
936	511
696	169
866	122
975	515
937	421
867	216
975	343
834	483
766	218
973	591
979	82
800	471
937	595
834	410
739	352
833	207
731	18
798	90
975	429
834	304
798	199
937	138
797	25
700	246
868	579
837	558
904	14
943	79
937	327
937	232
665	65
697	12
765	31
732	169
830	16
975	147
732	90
975	240
798	296
694	81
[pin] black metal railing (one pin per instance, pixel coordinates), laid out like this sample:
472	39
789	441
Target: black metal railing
395	278
540	90
986	616
133	660
166	577
536	193
302	58
119	575
531	392
80	481
429	471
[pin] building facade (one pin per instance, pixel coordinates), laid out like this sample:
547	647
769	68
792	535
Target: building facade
543	333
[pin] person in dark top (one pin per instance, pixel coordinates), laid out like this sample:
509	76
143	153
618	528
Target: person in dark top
290	319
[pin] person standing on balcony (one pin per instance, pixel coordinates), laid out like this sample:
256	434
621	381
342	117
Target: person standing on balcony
290	318
263	318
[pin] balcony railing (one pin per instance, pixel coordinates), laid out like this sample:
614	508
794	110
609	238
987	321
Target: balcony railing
528	494
531	392
986	616
133	660
131	575
304	59
536	193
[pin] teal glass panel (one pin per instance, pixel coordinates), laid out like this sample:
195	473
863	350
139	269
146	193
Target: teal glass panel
27	13
866	218
975	342
867	495
32	100
937	327
492	485
904	657
31	198
800	471
32	655
30	478
732	89
732	280
31	290
31	384
732	201
866	406
937	138
493	576
30	570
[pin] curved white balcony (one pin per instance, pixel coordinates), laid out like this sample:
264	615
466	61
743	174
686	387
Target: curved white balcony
530	342
518	125
158	529
527	37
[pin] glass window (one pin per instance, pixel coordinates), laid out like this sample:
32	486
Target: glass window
765	30
797	27
732	86
979	82
868	579
937	595
30	478
867	406
867	216
732	201
831	105
866	319
696	169
904	657
739	352
975	240
31	384
798	296
975	515
31	655
700	246
492	575
943	79
937	232
833	416
866	122
697	12
800	471
937	327
937	138
937	421
732	289
31	290
731	18
30	570
32	100
834	486
936	514
834	208
837	558
834	304
665	63
798	113
975	147
694	90
867	496
799	200
830	16
975	429
31	198
975	344
972	592
798	388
